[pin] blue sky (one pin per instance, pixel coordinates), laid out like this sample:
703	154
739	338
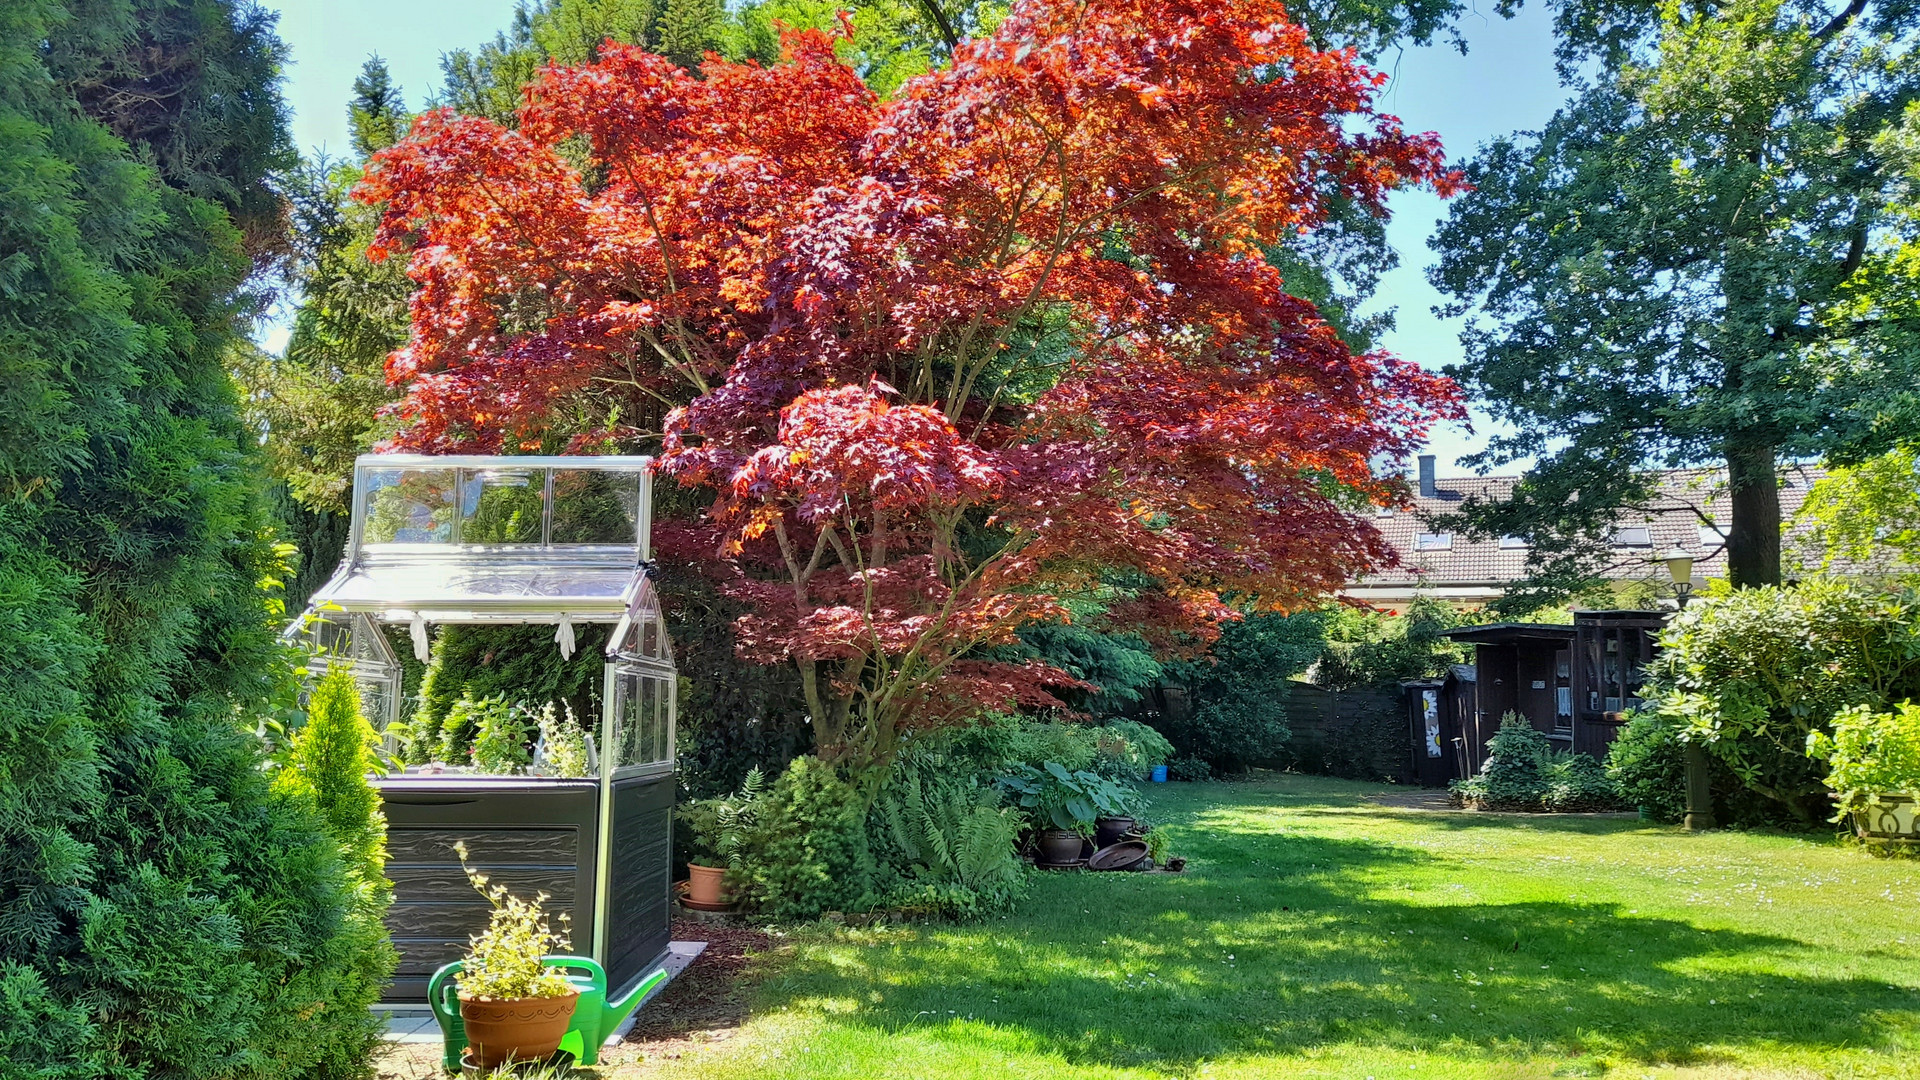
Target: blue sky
1503	83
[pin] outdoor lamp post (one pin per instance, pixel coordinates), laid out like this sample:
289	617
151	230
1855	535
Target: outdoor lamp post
1680	568
1699	778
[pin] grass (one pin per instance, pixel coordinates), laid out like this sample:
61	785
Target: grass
1318	935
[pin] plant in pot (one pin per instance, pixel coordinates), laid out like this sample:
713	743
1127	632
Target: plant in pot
1064	805
514	1007
1873	768
716	828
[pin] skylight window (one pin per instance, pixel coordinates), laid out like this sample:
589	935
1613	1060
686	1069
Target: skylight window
1434	542
1633	536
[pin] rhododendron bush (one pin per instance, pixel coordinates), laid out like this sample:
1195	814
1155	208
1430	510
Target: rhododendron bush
947	363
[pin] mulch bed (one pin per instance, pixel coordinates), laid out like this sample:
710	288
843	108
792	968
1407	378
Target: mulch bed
706	1000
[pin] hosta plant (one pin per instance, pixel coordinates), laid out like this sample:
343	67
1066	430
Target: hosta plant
503	963
1060	798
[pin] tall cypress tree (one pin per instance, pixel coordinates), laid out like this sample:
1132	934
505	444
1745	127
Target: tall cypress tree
162	911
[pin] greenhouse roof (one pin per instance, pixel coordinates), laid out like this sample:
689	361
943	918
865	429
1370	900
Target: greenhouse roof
494	539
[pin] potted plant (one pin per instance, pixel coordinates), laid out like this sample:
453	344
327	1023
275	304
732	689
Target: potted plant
1064	804
1873	764
514	1007
716	829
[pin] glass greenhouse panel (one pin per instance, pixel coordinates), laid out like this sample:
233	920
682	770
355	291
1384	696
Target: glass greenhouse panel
595	506
356	643
503	506
408	506
641	718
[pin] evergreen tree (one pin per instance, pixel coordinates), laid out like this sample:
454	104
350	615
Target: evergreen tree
162	911
689	29
1671	272
377	114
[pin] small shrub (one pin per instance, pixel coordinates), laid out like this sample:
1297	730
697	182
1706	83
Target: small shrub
1870	754
1753	672
1648	766
563	743
1239	692
806	852
503	961
1131	747
1577	783
1523	772
499	737
1189	769
329	764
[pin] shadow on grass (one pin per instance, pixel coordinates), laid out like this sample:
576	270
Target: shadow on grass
1279	948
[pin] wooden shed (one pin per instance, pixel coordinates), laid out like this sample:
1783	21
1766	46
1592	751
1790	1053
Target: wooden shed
1573	683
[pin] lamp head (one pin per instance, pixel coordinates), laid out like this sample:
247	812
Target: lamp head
1680	566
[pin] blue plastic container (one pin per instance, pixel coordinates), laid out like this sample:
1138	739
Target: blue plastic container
1159	774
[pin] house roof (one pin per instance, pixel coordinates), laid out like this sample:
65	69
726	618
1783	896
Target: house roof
1687	506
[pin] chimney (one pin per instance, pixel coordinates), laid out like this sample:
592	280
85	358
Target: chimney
1428	489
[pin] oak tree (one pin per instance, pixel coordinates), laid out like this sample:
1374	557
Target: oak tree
1676	269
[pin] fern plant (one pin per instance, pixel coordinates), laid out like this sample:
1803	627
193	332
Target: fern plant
954	835
717	827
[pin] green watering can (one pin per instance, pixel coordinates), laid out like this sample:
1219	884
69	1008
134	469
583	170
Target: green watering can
593	1018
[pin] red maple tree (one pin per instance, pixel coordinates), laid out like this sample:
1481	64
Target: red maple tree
948	361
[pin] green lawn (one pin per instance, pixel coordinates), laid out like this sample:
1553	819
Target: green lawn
1316	934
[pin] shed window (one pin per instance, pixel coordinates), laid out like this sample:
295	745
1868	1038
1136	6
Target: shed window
1434	542
1633	536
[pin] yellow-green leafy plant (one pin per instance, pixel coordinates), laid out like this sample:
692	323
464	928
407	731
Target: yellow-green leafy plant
504	963
1870	755
565	744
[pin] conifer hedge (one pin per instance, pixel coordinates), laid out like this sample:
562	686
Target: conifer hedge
163	912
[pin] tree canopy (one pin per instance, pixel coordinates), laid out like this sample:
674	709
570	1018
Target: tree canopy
942	359
1689	264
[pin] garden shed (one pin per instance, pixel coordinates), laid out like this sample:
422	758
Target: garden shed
559	541
1574	683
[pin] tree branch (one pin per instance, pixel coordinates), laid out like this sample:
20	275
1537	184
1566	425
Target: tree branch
942	23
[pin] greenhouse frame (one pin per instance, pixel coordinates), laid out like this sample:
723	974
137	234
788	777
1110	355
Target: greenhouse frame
560	541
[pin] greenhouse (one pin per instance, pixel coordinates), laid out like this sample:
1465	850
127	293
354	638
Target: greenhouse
550	541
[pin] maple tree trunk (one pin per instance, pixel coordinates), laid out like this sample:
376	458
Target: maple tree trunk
1753	536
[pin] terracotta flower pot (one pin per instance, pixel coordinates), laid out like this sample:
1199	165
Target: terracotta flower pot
1059	846
704	884
522	1029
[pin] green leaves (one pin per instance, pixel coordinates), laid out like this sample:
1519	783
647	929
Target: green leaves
1666	273
1068	799
1753	673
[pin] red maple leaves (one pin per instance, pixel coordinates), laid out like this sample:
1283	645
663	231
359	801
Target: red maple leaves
1051	248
